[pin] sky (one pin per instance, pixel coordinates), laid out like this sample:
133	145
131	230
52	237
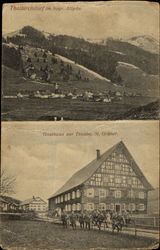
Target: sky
94	20
42	162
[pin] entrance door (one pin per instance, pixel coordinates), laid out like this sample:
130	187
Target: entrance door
118	208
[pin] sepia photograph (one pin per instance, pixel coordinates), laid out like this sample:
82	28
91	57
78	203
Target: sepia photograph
80	61
80	186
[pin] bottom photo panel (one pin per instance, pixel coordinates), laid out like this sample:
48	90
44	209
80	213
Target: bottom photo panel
80	185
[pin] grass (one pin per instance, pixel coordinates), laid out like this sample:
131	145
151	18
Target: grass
46	235
47	109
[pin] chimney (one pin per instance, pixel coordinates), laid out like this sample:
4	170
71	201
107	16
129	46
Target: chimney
98	154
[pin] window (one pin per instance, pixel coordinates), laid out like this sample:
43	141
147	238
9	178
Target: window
135	181
73	195
90	192
111	178
78	193
65	197
102	206
141	195
56	200
69	207
90	206
141	207
117	194
61	198
102	193
73	207
69	196
66	208
117	180
131	194
124	179
132	207
78	206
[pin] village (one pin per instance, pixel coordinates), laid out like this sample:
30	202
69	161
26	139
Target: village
46	68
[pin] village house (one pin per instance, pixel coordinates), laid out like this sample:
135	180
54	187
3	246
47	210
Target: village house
112	181
34	204
8	204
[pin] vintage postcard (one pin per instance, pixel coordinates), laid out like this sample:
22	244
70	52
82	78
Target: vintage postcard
80	125
80	61
80	185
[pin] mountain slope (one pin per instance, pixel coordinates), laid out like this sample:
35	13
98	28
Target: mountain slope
147	43
135	78
103	60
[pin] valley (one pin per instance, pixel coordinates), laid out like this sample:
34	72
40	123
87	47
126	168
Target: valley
67	77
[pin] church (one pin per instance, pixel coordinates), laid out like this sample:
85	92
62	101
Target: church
112	181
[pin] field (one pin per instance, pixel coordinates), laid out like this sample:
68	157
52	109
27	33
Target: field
47	109
46	235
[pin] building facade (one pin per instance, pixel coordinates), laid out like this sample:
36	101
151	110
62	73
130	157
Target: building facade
113	181
34	204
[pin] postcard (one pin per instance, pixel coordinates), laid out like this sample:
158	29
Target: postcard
80	185
80	61
80	125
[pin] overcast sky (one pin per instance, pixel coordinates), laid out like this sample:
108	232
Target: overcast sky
43	164
121	19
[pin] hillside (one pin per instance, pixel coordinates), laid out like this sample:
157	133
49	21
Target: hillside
64	76
98	58
133	77
150	111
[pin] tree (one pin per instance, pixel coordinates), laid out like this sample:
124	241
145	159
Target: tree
8	183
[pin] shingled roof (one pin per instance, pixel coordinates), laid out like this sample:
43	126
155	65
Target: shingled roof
86	172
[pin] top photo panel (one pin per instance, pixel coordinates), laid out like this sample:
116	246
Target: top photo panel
80	61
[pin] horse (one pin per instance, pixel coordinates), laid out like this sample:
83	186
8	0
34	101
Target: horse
117	223
98	219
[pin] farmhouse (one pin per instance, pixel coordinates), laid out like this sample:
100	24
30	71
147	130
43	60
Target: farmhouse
34	204
112	181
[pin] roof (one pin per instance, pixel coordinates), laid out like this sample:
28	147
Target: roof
28	201
10	200
83	174
2	200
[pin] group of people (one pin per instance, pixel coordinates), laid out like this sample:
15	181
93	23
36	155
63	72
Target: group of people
96	218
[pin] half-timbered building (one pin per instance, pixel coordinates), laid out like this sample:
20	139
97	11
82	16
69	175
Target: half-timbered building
112	181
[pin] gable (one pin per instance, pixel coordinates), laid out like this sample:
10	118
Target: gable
119	170
116	171
38	200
